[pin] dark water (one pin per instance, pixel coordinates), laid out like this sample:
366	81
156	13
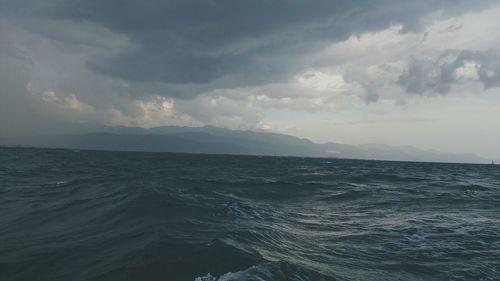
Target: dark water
85	215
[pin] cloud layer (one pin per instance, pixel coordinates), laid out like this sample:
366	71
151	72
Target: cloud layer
238	64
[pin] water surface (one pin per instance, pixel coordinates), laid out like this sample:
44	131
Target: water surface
89	215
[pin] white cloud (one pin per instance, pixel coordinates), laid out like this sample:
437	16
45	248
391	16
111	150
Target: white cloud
469	71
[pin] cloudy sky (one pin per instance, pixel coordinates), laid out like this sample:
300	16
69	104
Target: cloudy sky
423	73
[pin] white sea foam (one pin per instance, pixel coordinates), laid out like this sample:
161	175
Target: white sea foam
207	277
264	272
258	273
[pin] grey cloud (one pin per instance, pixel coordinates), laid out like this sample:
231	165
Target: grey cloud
223	44
423	75
439	75
489	70
22	113
453	28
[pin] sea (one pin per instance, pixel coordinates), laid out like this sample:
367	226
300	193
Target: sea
95	215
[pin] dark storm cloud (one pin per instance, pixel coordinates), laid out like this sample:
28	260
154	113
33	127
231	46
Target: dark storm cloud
229	43
453	66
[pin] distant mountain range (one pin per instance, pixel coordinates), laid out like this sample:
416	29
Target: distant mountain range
214	140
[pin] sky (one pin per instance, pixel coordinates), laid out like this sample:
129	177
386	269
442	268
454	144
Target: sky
424	73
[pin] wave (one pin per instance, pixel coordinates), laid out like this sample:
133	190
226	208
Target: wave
345	196
271	271
390	178
469	187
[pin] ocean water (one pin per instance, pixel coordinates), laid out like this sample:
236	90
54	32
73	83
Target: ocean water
88	215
